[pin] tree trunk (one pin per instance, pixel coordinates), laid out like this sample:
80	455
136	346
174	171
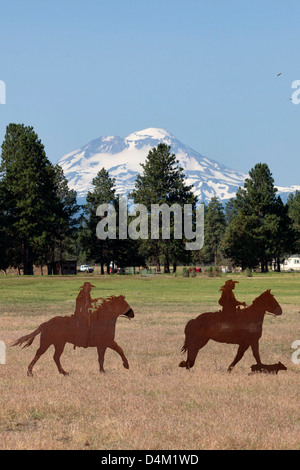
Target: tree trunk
157	257
27	259
102	268
24	248
107	265
166	264
30	261
266	264
278	265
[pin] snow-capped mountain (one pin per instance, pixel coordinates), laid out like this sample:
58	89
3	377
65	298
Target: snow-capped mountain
122	157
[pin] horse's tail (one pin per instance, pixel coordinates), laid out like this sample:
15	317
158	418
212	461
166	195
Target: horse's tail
188	328
184	348
28	339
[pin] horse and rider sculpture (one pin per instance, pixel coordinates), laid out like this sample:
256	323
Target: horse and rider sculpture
93	325
231	325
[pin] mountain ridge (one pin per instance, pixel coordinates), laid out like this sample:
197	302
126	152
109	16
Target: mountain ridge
122	158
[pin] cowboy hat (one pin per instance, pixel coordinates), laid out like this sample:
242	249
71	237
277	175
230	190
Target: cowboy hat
229	283
87	284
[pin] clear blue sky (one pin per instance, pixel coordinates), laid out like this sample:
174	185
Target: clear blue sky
206	70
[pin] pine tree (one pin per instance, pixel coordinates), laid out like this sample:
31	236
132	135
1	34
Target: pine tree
28	193
162	182
257	201
259	193
293	205
237	243
230	210
101	251
7	251
259	230
213	231
284	236
61	242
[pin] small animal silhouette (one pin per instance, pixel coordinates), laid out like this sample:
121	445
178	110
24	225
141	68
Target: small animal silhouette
268	368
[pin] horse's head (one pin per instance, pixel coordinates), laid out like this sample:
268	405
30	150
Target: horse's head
270	303
119	307
125	307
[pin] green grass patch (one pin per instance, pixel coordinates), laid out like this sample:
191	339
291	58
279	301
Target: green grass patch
40	292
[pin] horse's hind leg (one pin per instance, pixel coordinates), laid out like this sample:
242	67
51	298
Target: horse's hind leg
241	351
120	351
192	351
59	348
42	349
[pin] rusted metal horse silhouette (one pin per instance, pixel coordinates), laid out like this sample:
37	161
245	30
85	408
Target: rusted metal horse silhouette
61	330
244	328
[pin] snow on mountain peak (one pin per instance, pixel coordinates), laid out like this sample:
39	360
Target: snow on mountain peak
150	133
122	158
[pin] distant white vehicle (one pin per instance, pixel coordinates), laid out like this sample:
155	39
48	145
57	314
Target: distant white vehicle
85	268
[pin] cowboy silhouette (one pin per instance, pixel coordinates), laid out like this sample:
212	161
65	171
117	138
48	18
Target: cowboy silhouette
228	300
84	307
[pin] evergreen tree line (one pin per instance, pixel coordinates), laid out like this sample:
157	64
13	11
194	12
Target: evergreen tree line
255	229
37	209
41	222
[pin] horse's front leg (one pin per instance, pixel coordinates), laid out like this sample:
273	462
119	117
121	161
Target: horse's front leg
101	351
241	351
255	350
119	350
59	348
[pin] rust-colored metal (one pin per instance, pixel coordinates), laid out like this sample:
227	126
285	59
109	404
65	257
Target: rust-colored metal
88	327
84	308
228	300
267	368
236	326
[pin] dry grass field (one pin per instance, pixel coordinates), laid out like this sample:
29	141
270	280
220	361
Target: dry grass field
154	405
